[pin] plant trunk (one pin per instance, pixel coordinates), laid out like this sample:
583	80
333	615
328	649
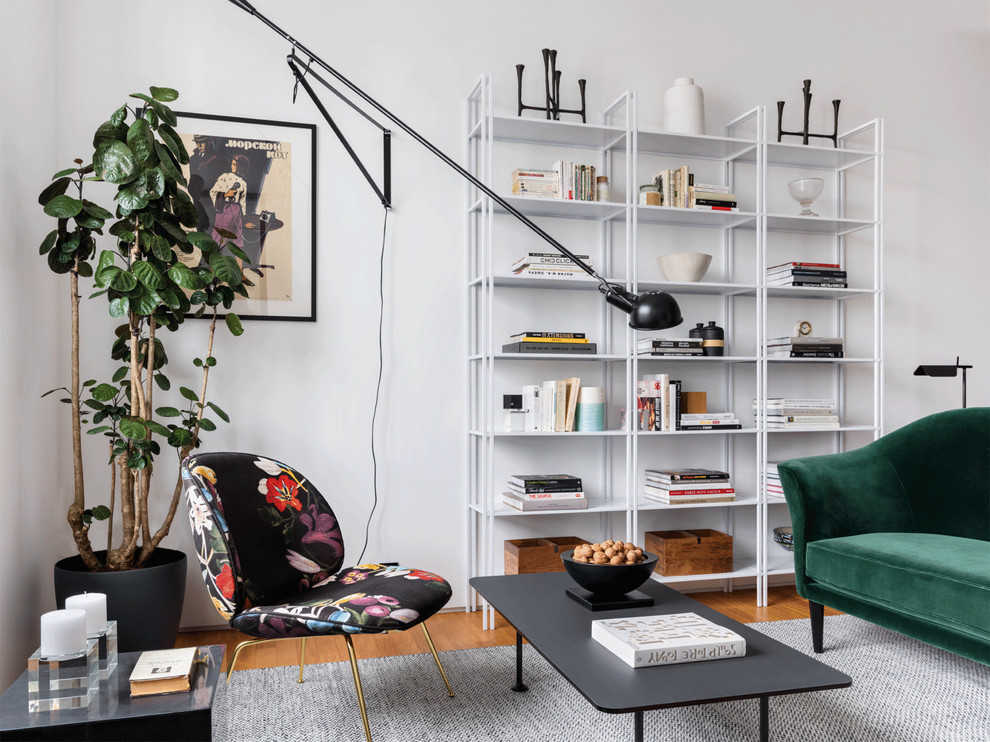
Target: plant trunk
149	545
80	531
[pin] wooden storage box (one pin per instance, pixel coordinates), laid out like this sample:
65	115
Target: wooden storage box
697	552
527	555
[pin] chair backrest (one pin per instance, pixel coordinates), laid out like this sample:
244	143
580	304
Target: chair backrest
943	461
263	531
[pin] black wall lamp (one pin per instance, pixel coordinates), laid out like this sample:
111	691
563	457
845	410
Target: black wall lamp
650	310
945	371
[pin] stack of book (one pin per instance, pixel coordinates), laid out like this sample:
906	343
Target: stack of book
709	421
551	406
577	182
550	265
821	275
804	346
688	486
646	641
707	197
534	492
786	413
549	342
544	183
774	487
669	347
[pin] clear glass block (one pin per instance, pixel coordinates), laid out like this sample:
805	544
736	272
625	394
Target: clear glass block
107	645
63	681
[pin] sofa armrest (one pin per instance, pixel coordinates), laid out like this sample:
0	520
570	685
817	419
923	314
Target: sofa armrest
842	494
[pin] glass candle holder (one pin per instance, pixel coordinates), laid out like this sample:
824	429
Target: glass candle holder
63	681
106	642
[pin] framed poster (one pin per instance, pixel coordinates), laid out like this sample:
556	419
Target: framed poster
257	180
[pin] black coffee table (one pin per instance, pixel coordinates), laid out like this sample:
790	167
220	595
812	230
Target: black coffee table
114	715
560	629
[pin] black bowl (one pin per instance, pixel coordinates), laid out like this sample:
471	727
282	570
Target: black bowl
609	580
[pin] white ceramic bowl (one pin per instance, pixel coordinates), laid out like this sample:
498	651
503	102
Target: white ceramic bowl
684	266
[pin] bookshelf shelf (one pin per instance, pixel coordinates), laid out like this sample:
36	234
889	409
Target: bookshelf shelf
623	237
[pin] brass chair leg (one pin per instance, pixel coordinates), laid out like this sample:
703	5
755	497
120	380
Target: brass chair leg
302	657
357	684
237	652
429	640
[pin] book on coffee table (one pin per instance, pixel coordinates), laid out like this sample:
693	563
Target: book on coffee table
645	641
162	671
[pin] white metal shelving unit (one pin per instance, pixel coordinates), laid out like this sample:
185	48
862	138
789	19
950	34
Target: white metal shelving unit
616	506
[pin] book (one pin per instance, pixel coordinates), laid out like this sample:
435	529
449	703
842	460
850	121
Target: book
519	503
660	352
707	487
686	475
530	334
162	671
804	340
823	272
520	347
695	484
698	201
803	418
560	495
669	343
551	340
546	482
813	284
699	500
803	426
806	354
704	193
548	395
550	273
531	403
708	416
711	421
548	259
674	638
560	407
798	401
804	265
573	387
724	426
702	207
710	188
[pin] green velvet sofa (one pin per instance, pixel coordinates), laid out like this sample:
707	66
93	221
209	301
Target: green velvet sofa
898	532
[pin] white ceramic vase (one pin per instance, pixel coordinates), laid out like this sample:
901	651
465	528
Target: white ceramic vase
684	107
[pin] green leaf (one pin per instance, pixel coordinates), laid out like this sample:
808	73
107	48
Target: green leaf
158	428
183	276
104	392
114	162
235	250
146	304
96	210
61	173
56	264
85	270
131	198
120	373
57	188
225	234
89	222
124	281
234	324
63	207
151	183
174	142
141	140
179	437
107	258
118	116
163	383
165	95
197	297
105	276
133	429
168	163
100	429
211	361
101	512
49	242
203	241
148	274
168	412
207	424
198	362
226	269
220	413
161	249
119	306
110	131
188	394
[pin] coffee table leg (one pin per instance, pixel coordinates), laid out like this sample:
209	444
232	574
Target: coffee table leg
520	686
638	726
764	718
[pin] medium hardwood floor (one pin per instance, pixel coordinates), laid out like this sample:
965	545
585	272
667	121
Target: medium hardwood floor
460	630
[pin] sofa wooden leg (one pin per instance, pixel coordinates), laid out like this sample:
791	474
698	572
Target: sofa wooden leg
817	611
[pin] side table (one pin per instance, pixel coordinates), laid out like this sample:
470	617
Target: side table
114	715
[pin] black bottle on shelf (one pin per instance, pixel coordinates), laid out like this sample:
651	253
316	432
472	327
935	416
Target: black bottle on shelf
713	339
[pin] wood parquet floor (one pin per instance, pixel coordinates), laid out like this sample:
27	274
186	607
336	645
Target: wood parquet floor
460	630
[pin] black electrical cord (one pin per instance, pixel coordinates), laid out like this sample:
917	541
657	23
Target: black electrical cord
378	387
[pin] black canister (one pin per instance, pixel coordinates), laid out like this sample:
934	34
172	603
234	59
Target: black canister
698	331
713	339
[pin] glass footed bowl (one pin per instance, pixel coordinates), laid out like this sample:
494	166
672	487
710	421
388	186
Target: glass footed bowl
805	191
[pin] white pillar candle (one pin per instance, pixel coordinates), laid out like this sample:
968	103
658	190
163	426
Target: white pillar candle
95	605
63	632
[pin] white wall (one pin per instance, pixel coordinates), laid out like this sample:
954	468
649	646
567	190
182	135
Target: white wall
304	392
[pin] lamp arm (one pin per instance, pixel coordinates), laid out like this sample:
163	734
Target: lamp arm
605	287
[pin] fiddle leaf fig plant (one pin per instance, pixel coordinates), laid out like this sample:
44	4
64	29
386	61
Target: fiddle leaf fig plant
144	283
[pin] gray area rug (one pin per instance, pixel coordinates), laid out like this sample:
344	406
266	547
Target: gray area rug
903	691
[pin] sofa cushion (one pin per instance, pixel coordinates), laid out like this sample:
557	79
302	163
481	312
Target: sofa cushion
945	579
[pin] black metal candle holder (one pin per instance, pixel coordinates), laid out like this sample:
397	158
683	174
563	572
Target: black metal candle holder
552	84
834	136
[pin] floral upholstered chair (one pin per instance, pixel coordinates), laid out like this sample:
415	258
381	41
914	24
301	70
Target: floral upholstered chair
271	554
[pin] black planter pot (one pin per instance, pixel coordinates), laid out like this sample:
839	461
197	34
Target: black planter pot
146	603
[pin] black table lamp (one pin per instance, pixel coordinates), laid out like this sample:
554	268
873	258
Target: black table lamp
945	371
651	310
